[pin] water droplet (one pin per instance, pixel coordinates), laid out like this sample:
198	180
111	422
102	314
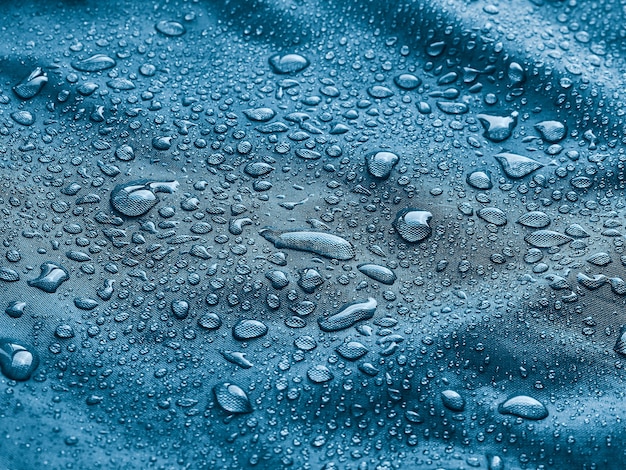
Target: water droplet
451	107
452	400
551	131
534	219
180	309
64	332
352	350
15	309
85	303
25	118
323	244
136	198
319	374
379	92
170	28
524	407
260	114
32	85
378	273
289	63
249	329
209	321
379	164
51	277
349	315
95	63
412	225
492	215
9	275
232	398
407	81
517	166
498	128
547	239
256	169
620	344
17	361
480	179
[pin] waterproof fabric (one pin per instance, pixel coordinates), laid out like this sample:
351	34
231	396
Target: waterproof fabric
312	234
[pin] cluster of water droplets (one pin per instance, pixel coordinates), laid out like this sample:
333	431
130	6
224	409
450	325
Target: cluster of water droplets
346	237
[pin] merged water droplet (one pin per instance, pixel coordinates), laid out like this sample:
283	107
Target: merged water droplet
136	198
15	309
498	128
17	361
349	315
51	277
31	85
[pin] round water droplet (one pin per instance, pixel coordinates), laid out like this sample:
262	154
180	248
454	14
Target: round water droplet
210	321
180	309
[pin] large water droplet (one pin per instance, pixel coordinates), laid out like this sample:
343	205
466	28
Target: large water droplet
232	398
17	361
524	407
51	277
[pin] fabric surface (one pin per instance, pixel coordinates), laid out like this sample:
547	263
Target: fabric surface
312	234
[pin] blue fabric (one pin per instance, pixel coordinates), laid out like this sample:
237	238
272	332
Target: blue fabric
312	234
